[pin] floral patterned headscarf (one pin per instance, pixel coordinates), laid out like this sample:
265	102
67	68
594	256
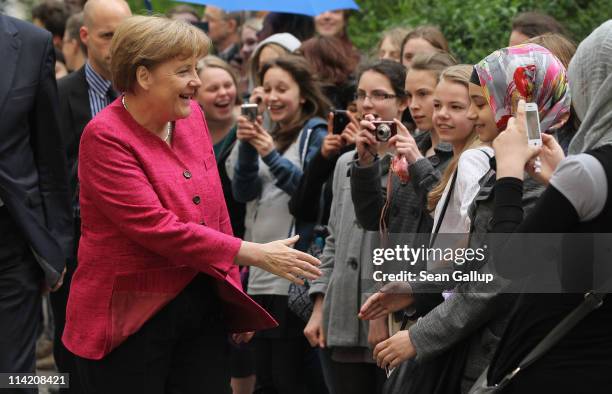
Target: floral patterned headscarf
529	72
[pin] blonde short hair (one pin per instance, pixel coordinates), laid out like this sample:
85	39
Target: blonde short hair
148	41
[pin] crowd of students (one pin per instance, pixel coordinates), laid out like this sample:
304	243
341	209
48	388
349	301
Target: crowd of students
459	163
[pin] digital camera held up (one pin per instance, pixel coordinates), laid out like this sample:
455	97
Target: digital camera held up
385	129
341	120
249	111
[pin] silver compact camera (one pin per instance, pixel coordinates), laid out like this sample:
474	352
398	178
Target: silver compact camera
385	129
249	111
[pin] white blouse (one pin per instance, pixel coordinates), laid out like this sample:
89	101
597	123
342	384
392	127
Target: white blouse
473	165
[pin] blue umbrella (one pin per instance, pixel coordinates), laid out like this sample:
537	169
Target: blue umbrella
306	7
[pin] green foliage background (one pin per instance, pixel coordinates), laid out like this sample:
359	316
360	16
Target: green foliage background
159	6
474	27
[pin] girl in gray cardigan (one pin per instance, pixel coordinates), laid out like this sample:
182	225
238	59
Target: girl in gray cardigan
345	260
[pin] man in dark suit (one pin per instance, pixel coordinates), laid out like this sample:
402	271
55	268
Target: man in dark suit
36	230
82	94
88	90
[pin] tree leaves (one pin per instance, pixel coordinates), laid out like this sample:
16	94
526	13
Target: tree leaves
474	28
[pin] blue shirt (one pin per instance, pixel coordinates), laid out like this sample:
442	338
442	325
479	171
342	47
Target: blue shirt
98	90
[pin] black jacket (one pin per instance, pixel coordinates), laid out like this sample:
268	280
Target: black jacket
75	113
33	174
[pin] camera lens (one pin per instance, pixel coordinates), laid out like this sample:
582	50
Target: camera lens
383	132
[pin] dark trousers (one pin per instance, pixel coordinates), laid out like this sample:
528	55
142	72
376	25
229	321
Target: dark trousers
20	302
353	378
285	362
287	366
280	365
183	349
64	359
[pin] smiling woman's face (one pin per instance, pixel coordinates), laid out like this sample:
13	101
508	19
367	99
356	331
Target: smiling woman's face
484	124
372	84
282	96
171	86
330	23
217	94
451	118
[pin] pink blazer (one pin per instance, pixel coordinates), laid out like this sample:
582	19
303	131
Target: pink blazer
153	216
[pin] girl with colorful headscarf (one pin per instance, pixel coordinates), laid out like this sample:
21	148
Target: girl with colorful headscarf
526	72
462	332
577	200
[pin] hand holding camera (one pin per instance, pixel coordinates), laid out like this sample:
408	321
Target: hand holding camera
249	111
366	142
351	130
345	124
512	148
263	141
257	96
251	131
342	127
549	158
404	144
246	128
384	130
332	143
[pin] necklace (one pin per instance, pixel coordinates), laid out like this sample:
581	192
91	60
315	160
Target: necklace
169	125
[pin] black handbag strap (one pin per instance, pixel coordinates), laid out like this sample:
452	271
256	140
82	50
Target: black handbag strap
591	302
449	195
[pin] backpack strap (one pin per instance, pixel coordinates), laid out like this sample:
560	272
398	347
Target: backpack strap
451	188
486	183
304	143
305	136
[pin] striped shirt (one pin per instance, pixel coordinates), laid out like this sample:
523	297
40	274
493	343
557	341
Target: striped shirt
98	90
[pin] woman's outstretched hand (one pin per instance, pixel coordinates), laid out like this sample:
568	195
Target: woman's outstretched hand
393	297
279	258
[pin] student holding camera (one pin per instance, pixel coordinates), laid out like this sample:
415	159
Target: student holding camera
573	202
405	195
400	207
267	172
312	199
464	330
334	325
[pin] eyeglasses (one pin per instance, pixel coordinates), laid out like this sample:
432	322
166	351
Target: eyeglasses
375	97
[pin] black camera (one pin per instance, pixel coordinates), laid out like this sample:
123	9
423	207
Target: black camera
249	111
341	120
385	129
